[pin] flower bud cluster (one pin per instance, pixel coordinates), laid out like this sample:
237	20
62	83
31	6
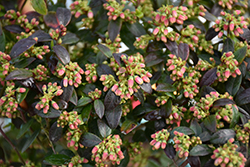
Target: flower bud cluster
227	155
69	118
146	7
135	149
190	3
116	10
230	3
25	35
126	108
28	163
195	141
107	81
5	66
24	22
161	100
160	139
57	33
142	41
90	73
227	67
96	94
241	134
108	150
177	66
38	51
232	23
49	92
176	114
76	161
71	73
203	65
182	144
247	126
196	11
8	103
41	73
12	15
73	136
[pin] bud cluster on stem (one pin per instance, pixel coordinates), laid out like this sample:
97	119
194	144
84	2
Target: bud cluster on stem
37	51
182	144
69	118
242	134
41	73
96	94
76	161
176	114
90	73
135	149
73	136
57	33
177	66
160	139
230	3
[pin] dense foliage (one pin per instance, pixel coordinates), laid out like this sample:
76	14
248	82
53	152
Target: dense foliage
125	83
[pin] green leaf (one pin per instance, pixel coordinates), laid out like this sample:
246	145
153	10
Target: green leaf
104	129
105	50
128	126
210	123
90	139
136	29
243	97
84	101
85	113
30	140
236	116
233	84
114	28
200	150
19	74
2	39
195	126
182	129
39	6
205	136
99	108
222	136
57	159
24	128
21	96
240	54
165	87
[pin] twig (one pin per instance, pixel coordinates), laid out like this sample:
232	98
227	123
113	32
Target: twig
12	145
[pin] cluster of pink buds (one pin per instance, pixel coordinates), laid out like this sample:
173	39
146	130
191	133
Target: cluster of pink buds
182	144
142	41
96	94
25	35
177	66
201	108
8	103
38	51
28	163
41	73
71	73
162	34
12	15
232	23
76	161
176	114
107	81
73	136
230	3
227	155
57	33
228	67
161	100
241	134
191	2
90	73
107	151
5	66
24	22
115	10
160	139
195	140
247	126
69	118
49	92
203	65
225	113
126	108
196	10
135	149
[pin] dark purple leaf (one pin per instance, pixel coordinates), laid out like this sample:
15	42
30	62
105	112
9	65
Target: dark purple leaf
228	45
14	28
2	39
243	97
111	101
153	115
113	116
211	33
19	74
99	108
166	109
183	51
151	59
52	113
57	159
32	14
165	87
240	54
210	123
222	102
209	77
216	9
39	6
63	105
24	62
55	132
172	46
194	161
21	46
103	128
206	90
105	50
243	112
51	20
246	34
63	15
89	139
205	136
209	163
69	38
52	62
200	150
41	35
146	87
210	17
9	4
139	96
136	29
128	126
236	116
74	99
233	84
104	69
118	59
114	28
84	101
182	129
195	126
140	110
67	92
170	151
62	54
222	136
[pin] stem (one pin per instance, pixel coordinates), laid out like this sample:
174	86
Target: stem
184	163
24	2
182	2
12	145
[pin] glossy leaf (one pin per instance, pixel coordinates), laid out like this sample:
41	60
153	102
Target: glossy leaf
210	16
182	129
136	29
24	128
55	132
139	96
103	69
233	84
2	39
39	6
99	108
194	161
222	102
128	126
30	140
205	136
165	87
243	97
146	87
209	77
200	150
63	15
24	62
51	20
152	59
139	136
113	116
235	118
139	110
195	126
172	46
14	28
84	101
21	46
89	139
111	101
41	35
67	92
170	151
240	54
105	50
57	159
21	96
210	123
183	51
104	129
211	33
228	45
114	28
69	38
62	54
19	74
85	113
222	136
216	9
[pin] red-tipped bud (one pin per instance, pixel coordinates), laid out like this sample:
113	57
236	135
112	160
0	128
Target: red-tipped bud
145	79
114	88
77	14
122	15
21	90
138	80
130	82
156	30
90	14
55	105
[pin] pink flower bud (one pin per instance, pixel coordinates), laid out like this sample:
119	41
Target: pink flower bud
231	26
157	18
157	145
130	82
174	13
65	82
21	90
122	15
55	105
88	72
156	30
138	80
238	72
163	39
145	79
90	14
170	68
77	14
114	88
218	161
166	22
118	92
172	20
59	92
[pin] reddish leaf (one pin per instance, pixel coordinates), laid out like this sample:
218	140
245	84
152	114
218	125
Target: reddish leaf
211	33
243	97
14	28
183	51
62	54
90	140
111	101
63	15
222	136
114	28
172	46
128	126
200	150
21	46
105	50
19	74
51	20
205	136
41	35
103	128
146	87
113	116
55	132
99	108
209	77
